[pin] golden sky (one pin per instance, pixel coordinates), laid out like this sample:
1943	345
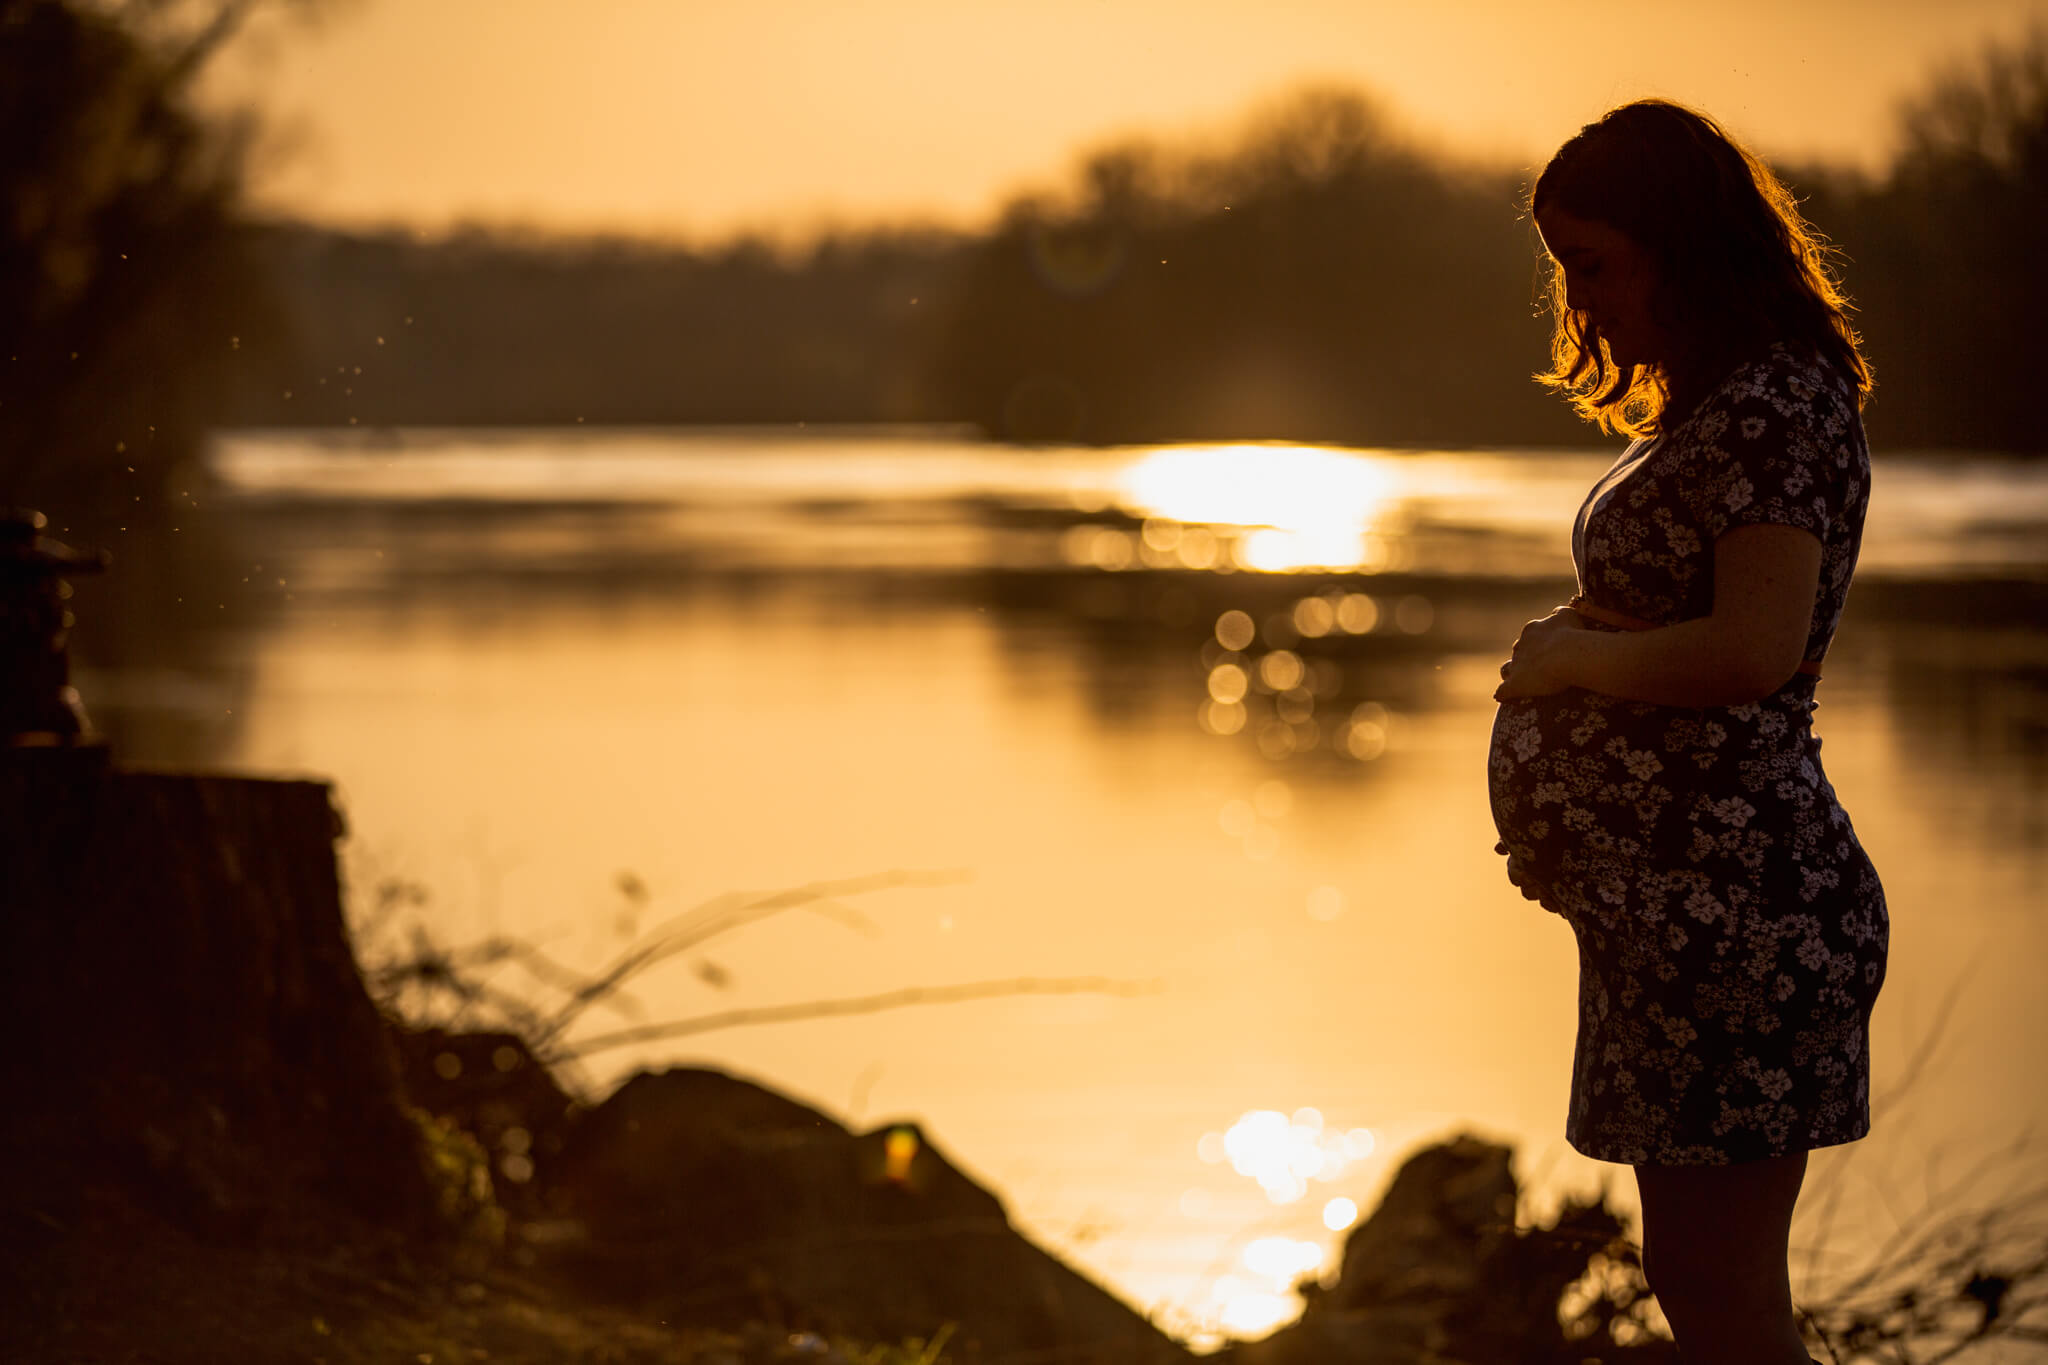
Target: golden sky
701	117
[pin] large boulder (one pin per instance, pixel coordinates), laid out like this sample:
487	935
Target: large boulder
1442	1272
702	1197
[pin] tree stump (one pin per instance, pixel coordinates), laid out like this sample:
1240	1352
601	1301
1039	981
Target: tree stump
180	1001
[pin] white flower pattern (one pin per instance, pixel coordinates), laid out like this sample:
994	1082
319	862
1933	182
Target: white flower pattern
1732	932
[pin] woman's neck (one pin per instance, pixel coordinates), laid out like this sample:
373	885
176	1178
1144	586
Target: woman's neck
1688	383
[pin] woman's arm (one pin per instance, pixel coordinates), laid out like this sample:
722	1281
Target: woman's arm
1765	581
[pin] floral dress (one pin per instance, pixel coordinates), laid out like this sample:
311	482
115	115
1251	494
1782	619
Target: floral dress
1731	932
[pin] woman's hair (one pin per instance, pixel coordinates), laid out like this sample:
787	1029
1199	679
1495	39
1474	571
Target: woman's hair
1736	265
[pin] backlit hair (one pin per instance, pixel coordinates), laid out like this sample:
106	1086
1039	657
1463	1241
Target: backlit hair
1736	265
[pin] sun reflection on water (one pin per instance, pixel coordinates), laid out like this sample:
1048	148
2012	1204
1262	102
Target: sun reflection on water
1282	1153
1303	507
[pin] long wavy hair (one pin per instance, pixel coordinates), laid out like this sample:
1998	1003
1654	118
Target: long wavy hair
1737	267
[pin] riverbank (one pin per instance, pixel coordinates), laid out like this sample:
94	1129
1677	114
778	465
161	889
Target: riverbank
217	1148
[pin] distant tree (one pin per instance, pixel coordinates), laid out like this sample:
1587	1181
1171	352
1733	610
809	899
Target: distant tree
1982	119
1945	255
1317	278
121	287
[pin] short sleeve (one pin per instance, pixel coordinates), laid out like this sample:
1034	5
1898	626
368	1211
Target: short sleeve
1773	452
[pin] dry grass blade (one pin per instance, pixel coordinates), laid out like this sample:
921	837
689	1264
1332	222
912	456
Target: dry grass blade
860	1004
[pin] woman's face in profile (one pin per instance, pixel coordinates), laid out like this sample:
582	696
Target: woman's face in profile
1609	277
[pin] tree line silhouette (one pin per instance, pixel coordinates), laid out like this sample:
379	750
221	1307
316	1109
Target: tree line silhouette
1320	276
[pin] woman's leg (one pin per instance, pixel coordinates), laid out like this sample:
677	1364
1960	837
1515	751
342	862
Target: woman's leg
1714	1250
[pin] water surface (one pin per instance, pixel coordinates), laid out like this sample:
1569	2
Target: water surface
1209	721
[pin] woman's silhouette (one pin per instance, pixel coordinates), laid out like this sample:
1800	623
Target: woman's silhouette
1654	772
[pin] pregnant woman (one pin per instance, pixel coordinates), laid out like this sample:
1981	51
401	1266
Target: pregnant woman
1655	777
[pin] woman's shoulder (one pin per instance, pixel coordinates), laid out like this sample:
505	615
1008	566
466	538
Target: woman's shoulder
1791	381
1780	395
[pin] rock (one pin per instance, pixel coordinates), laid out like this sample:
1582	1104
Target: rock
1449	1208
1440	1272
706	1198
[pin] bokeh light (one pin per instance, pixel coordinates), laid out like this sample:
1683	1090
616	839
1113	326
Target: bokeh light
1340	1213
1414	615
1314	617
1357	613
1228	683
1367	731
1282	669
1198	548
1235	631
899	1151
1222	717
1276	739
1273	799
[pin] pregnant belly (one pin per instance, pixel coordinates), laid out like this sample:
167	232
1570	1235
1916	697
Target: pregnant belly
1577	780
1523	731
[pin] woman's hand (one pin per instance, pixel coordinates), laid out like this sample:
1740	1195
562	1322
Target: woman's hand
1518	876
1536	666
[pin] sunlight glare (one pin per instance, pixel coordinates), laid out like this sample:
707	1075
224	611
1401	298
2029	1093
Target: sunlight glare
1282	1258
1304	507
1254	1312
1284	1153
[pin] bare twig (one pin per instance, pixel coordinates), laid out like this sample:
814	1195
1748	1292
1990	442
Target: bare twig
721	915
861	1004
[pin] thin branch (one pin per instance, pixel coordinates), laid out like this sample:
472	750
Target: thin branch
860	1004
226	20
721	915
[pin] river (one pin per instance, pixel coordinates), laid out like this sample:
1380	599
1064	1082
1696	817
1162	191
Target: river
1205	724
